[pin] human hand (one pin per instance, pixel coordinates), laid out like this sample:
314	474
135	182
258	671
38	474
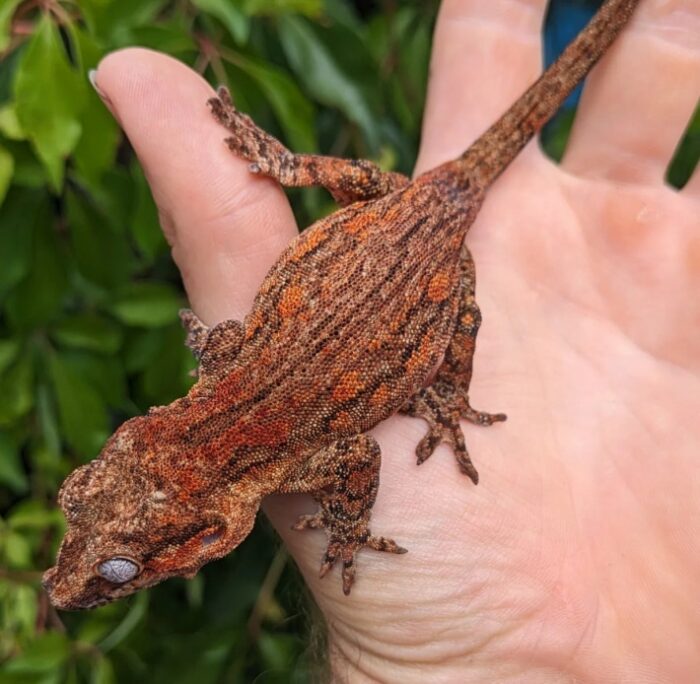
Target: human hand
575	555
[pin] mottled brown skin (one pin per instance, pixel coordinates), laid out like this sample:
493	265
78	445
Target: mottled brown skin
345	331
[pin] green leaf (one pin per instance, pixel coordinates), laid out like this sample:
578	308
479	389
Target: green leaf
46	653
29	172
127	625
46	454
171	38
101	252
17	550
18	215
142	347
7	166
343	13
112	198
147	304
309	7
7	9
8	353
34	515
687	154
556	133
144	222
17	396
82	411
11	471
104	373
167	376
294	111
112	21
276	650
49	97
9	123
88	331
318	68
236	22
20	602
194	591
103	672
40	294
100	136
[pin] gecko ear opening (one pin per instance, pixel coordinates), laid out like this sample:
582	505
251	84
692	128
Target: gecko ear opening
215	539
226	531
209	538
215	535
212	537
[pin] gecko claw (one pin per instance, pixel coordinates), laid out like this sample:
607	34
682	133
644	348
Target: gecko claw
348	576
326	567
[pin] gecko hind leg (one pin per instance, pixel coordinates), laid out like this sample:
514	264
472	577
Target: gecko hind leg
446	399
343	478
348	180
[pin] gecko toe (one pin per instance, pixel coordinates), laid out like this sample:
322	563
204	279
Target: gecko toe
309	522
224	94
384	544
348	576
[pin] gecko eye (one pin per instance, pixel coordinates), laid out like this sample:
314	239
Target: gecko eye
118	570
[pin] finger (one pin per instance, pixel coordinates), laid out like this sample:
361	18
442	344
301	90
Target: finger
226	226
485	54
639	100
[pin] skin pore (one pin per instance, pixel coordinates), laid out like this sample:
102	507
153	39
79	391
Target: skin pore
577	554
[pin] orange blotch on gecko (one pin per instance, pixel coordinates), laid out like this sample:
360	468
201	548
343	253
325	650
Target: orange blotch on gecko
314	239
380	396
291	301
439	286
348	387
421	356
343	421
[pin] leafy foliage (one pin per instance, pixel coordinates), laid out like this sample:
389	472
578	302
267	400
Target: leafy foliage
89	298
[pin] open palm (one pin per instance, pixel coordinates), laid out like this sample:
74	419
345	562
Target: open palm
578	554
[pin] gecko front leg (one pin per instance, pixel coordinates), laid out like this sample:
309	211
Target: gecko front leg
343	479
348	180
215	347
446	399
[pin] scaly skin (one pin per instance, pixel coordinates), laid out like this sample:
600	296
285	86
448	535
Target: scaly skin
345	332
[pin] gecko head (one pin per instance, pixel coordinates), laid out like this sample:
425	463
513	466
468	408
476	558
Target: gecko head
136	517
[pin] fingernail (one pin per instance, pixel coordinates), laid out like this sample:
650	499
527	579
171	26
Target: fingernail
92	77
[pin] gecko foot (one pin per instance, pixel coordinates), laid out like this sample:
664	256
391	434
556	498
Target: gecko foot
442	405
344	542
266	154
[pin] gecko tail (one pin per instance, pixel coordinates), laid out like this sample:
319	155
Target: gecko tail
489	156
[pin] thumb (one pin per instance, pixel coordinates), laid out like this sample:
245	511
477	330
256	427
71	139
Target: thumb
226	226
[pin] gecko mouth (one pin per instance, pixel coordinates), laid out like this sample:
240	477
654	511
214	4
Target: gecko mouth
95	592
98	591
